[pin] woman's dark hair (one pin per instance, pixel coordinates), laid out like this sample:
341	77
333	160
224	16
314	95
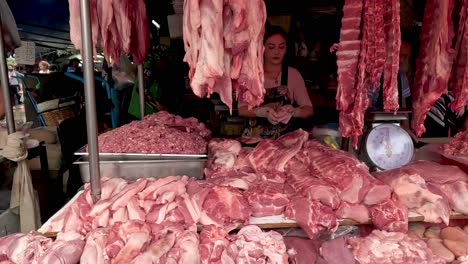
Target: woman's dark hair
274	30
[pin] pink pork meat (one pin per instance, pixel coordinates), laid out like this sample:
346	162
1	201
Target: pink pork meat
312	216
434	64
266	199
391	247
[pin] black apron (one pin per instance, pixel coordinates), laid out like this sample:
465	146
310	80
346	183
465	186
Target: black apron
274	97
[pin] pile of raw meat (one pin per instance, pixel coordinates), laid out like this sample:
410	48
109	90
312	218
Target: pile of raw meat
155	221
120	26
307	181
449	243
392	247
172	199
430	189
139	242
378	247
161	133
458	145
34	248
224	48
369	47
439	60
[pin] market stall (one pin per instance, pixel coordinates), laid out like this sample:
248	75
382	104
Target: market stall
163	190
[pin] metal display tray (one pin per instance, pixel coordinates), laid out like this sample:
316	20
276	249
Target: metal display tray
141	156
135	169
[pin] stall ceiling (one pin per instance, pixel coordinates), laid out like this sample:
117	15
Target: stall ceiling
44	22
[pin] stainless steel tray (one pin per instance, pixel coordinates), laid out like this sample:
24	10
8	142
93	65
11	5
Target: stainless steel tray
141	156
135	169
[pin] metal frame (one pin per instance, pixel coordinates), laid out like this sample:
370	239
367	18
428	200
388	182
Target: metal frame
90	99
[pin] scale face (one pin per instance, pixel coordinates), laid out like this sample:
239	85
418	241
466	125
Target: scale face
389	146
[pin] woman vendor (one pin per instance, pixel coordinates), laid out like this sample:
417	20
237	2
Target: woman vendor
286	94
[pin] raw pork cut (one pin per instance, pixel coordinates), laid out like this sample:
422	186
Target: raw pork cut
460	67
120	25
302	250
449	182
348	53
250	84
210	64
390	216
434	62
336	251
412	191
226	205
214	246
34	248
216	205
67	248
338	168
458	145
391	247
301	181
158	135
223	41
393	42
274	154
356	212
266	199
312	216
369	44
222	157
189	125
251	245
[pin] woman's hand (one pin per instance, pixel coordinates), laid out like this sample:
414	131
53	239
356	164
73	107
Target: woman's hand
268	113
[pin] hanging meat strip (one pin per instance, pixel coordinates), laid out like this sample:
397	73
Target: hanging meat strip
393	43
380	49
352	118
191	32
120	25
434	63
250	85
75	23
460	67
364	53
210	62
348	54
139	38
223	42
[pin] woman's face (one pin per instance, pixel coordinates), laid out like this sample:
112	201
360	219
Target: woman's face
42	66
275	49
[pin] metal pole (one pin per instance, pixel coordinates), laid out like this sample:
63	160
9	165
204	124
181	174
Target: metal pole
90	101
141	90
5	85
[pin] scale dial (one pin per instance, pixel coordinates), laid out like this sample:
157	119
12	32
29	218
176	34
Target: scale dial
389	146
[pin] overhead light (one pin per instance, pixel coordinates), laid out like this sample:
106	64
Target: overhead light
156	24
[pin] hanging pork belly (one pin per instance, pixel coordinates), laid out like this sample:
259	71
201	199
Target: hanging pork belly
120	25
224	48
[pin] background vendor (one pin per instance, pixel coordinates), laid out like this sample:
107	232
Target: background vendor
286	94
